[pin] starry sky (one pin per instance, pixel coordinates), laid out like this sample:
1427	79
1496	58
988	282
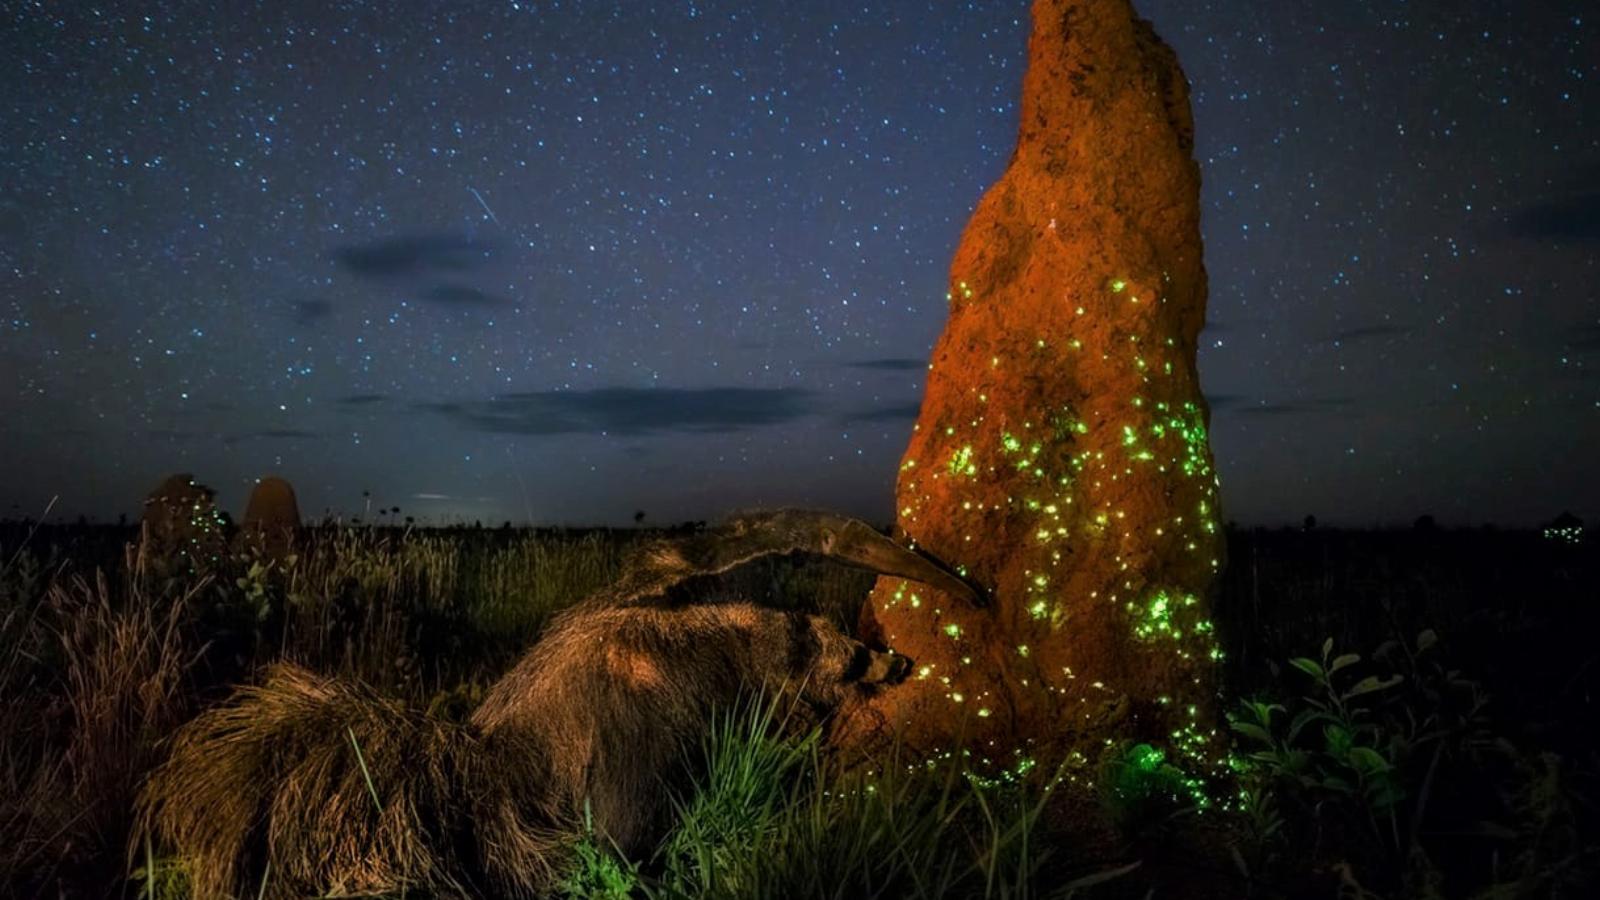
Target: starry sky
558	262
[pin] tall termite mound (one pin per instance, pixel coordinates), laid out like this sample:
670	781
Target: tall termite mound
1061	455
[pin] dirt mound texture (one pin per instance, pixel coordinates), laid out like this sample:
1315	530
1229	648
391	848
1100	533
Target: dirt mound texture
1061	454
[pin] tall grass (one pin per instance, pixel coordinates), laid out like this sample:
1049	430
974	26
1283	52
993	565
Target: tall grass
105	648
103	651
771	818
79	739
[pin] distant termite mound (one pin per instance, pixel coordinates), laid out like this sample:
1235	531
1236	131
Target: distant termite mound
272	515
180	526
1061	454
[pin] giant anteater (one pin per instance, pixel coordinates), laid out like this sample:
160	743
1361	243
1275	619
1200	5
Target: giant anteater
315	784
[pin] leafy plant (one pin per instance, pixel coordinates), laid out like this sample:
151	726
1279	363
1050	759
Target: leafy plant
596	872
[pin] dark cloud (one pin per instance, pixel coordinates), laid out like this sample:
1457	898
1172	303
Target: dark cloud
1245	406
361	399
631	411
277	434
416	254
1367	333
310	312
1223	401
1569	219
897	364
460	295
906	412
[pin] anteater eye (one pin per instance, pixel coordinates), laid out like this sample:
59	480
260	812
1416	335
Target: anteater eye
858	664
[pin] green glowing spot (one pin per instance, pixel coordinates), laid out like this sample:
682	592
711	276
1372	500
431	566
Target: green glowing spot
1154	618
1129	436
1010	442
953	630
983	713
1146	758
957	698
1022	650
1039	610
1118	286
961	462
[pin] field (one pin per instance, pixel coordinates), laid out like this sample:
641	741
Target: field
1473	775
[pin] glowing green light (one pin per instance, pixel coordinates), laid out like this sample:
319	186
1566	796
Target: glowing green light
1118	286
961	462
1039	610
953	630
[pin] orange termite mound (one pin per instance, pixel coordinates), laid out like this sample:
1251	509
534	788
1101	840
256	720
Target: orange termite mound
272	514
1061	456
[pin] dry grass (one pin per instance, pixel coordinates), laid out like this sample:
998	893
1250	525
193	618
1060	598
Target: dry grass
69	800
333	788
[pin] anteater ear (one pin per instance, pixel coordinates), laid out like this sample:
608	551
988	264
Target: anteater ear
860	661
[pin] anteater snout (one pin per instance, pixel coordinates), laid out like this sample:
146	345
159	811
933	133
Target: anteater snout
899	668
886	668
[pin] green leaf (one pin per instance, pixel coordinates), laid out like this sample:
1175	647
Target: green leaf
1302	719
1260	713
1308	666
1367	760
1372	683
1334	783
1251	730
1426	639
1348	659
1338	740
1327	648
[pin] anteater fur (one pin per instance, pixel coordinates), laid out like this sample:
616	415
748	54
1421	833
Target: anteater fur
310	784
272	789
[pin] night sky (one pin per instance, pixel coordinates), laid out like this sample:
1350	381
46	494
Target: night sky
558	262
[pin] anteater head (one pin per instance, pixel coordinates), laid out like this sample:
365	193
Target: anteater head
831	665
